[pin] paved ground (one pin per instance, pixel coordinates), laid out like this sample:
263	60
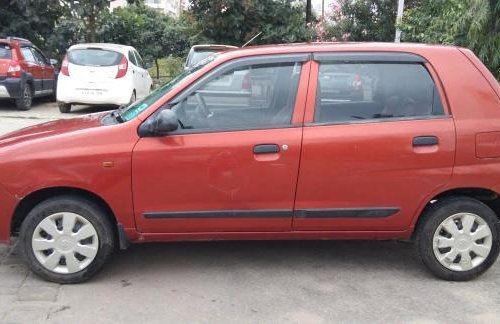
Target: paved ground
245	282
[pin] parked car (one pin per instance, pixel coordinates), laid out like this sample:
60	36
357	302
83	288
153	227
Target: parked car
25	72
102	74
198	53
416	157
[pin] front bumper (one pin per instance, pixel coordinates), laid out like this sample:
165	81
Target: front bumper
11	88
8	204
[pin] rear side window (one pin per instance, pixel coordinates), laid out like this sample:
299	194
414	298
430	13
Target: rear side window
5	51
94	57
131	58
364	91
27	54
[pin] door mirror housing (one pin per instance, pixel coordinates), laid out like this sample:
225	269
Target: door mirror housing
165	122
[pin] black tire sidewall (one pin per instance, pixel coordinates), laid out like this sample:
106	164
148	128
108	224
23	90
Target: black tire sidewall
83	207
435	215
64	108
20	103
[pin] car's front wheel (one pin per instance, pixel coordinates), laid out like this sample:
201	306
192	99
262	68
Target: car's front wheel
458	238
66	239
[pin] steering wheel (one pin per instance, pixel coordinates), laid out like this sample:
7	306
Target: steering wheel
202	106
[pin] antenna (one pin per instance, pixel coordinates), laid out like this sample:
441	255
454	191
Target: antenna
251	39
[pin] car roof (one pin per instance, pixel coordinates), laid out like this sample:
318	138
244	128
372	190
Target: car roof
423	50
110	46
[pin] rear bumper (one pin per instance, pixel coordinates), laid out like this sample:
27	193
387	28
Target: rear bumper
11	88
99	93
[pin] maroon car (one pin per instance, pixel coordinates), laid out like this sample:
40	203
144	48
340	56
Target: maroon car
25	72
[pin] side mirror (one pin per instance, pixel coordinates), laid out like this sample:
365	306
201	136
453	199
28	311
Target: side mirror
148	65
165	122
53	61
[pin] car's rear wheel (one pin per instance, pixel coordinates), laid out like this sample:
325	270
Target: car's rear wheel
66	239
64	107
458	238
26	99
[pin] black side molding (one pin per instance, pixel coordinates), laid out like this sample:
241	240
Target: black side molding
375	212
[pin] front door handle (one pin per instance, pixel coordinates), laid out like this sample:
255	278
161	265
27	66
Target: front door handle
266	149
425	141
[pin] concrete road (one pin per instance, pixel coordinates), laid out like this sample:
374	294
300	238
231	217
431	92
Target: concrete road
245	282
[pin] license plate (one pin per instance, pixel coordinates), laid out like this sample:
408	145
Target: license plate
92	92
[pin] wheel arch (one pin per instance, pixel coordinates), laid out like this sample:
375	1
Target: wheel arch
487	196
36	197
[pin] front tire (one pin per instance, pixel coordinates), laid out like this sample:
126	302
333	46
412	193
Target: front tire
458	238
66	239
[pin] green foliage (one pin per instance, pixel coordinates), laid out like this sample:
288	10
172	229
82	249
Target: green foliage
31	19
234	22
362	20
470	23
155	35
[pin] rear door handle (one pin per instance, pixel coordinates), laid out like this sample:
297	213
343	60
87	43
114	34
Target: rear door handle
266	149
425	141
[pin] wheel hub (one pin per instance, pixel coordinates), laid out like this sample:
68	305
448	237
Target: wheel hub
65	243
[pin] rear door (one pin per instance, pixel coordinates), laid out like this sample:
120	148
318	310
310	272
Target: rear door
375	147
145	78
48	81
33	67
136	74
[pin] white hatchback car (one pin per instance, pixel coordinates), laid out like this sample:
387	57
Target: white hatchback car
101	74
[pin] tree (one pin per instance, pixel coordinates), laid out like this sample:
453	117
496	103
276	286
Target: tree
235	22
470	23
31	19
87	11
362	20
154	34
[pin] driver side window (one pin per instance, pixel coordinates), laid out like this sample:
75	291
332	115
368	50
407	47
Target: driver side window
253	96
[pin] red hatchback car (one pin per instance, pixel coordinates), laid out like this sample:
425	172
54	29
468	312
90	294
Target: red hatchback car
415	155
25	72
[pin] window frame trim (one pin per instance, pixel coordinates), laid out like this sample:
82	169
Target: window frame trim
377	58
221	69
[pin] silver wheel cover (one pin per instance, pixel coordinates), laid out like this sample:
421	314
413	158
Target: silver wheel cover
462	242
65	243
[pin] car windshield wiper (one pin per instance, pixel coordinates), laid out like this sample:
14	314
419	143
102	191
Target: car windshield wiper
117	114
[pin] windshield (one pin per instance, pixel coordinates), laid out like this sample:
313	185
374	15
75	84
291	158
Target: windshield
198	56
139	106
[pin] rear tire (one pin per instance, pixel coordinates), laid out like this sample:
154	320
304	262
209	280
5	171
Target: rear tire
66	239
64	107
26	100
458	238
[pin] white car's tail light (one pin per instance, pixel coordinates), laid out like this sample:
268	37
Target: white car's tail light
122	68
64	66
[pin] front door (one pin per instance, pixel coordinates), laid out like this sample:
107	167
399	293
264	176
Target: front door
379	143
233	163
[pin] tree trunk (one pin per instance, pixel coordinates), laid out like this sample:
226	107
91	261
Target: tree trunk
157	69
92	29
308	11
